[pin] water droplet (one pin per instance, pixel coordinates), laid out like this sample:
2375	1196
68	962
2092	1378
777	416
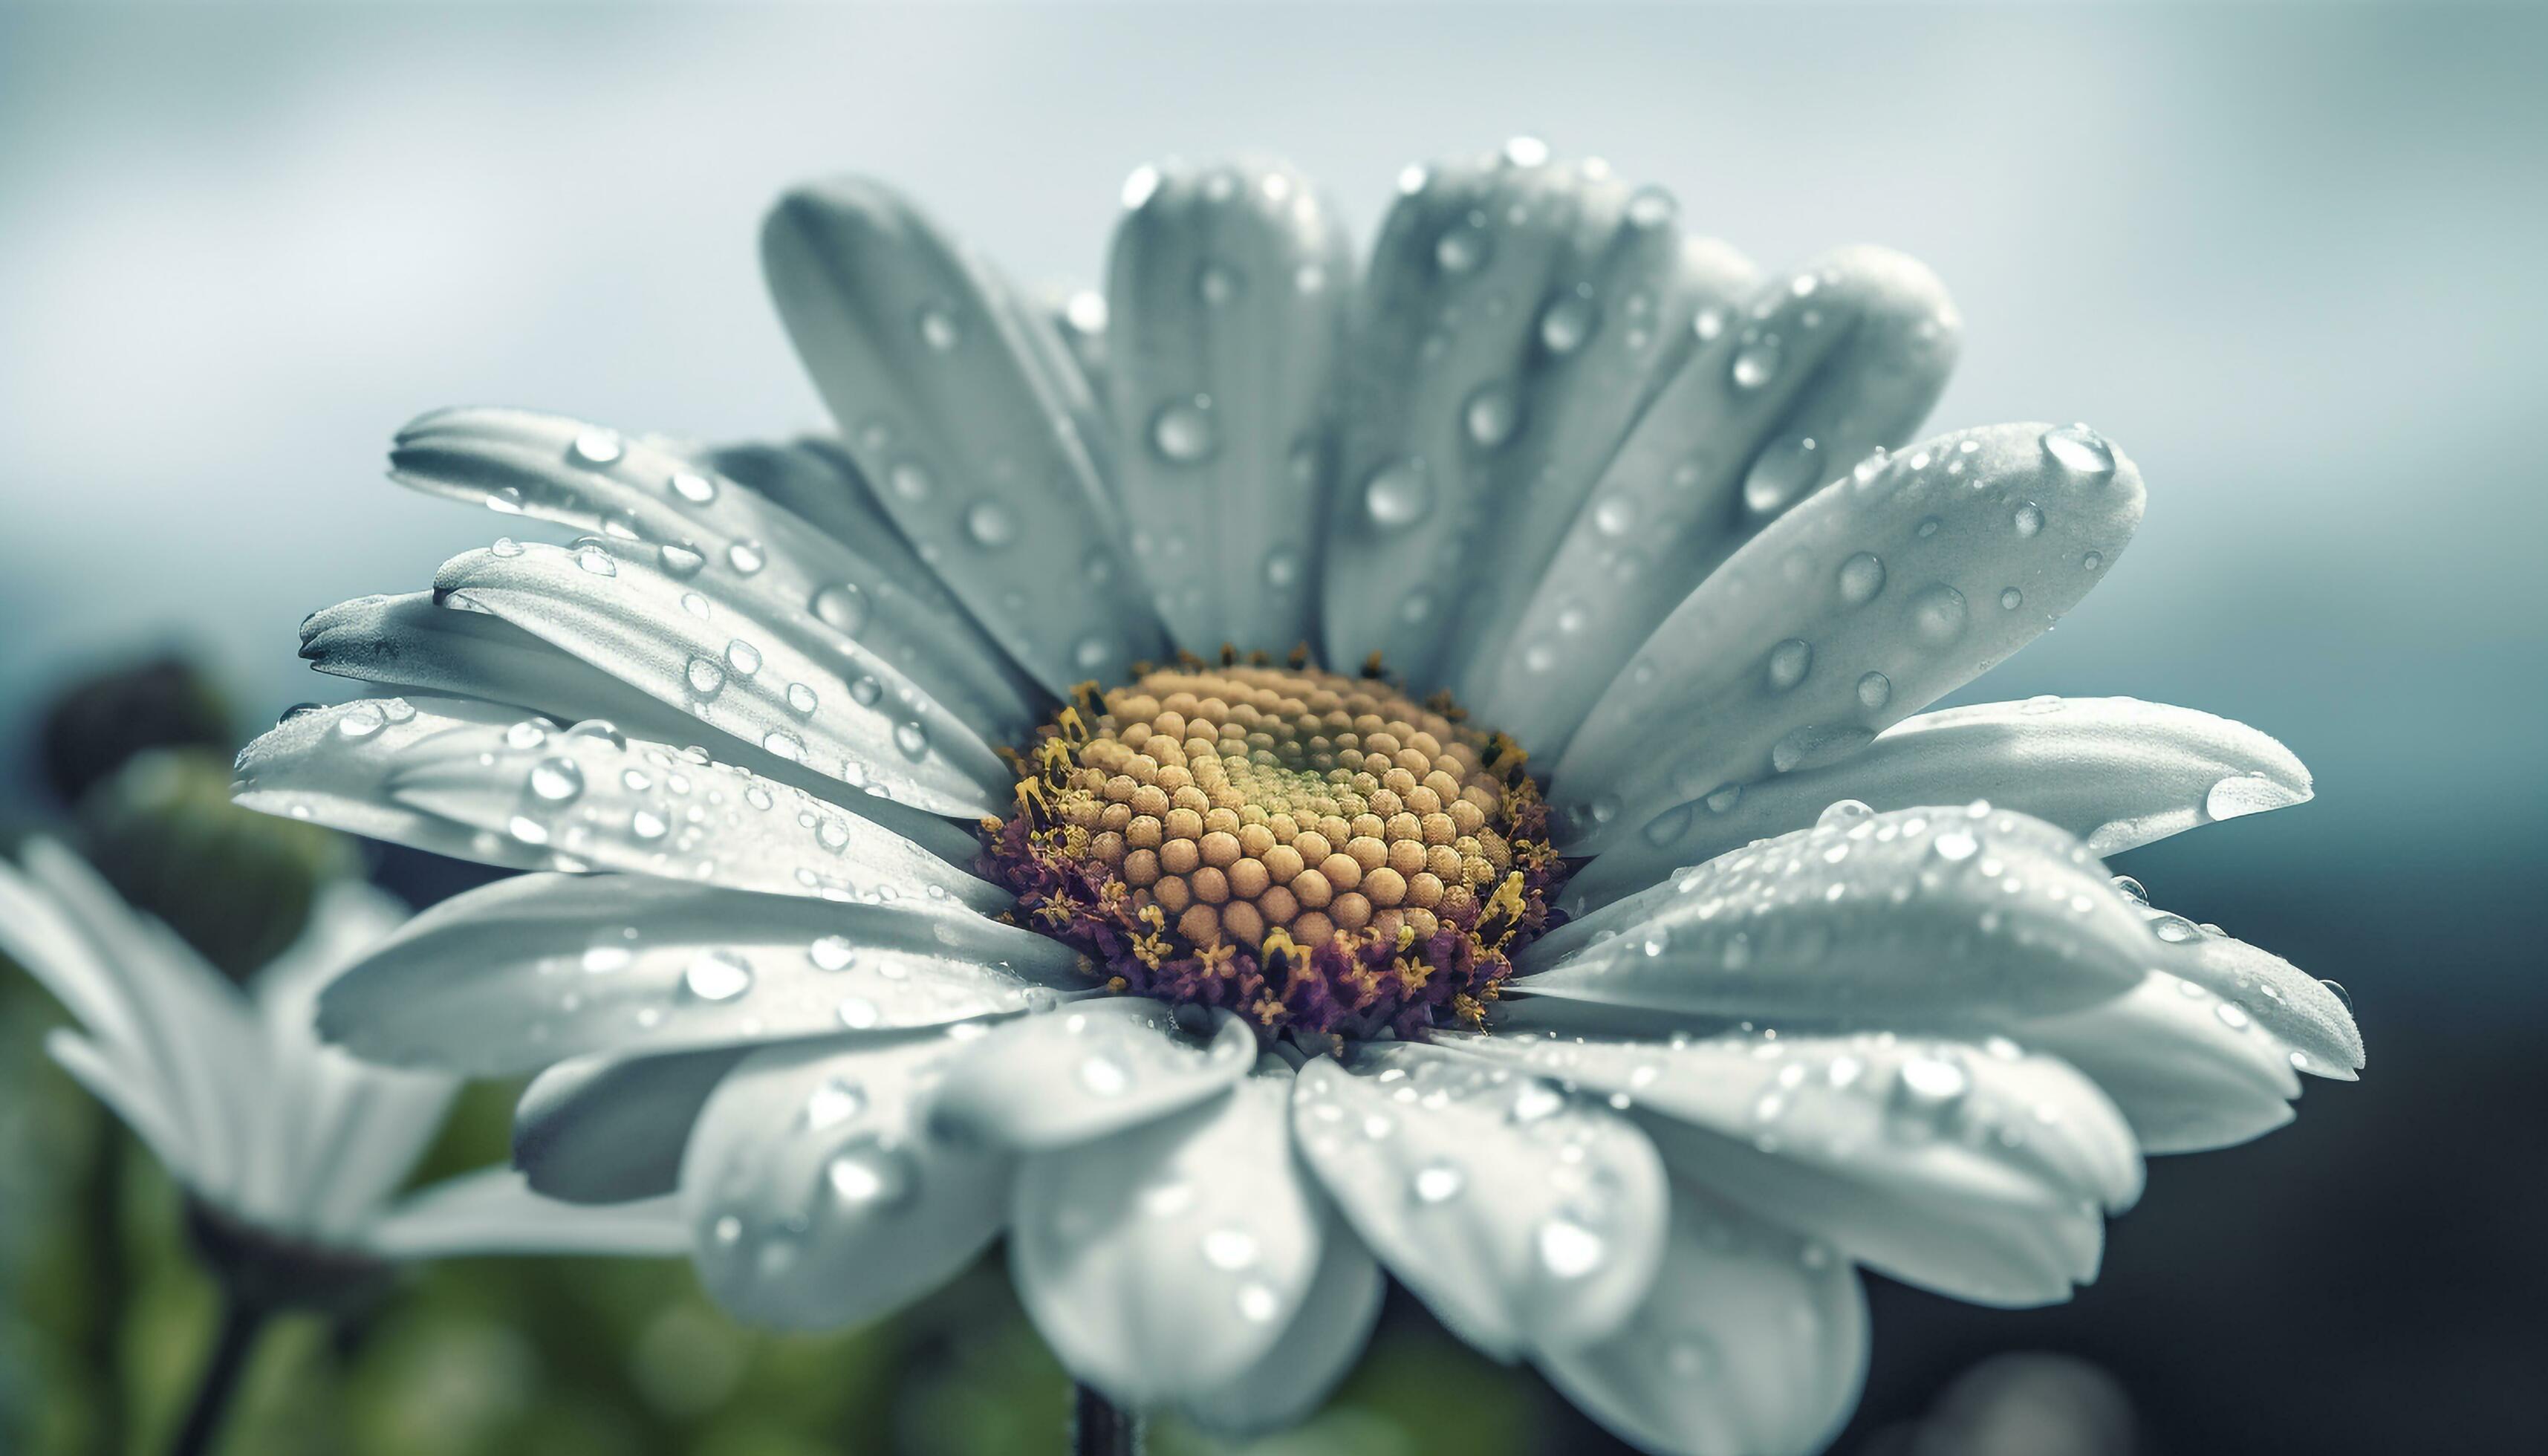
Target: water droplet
556	780
525	735
872	1176
1182	430
1214	284
1783	472
1789	662
2247	793
646	825
597	447
784	745
990	525
1861	577
1438	1183
506	500
858	1014
1666	828
1104	1075
1707	323
866	691
801	698
1874	690
1840	812
746	556
2092	561
1140	185
1937	614
596	560
361	721
1282	568
1463	246
1527	151
833	1103
717	976
1955	846
1931	1084
910	480
1491	414
2080	451
2010	599
842	606
1399	495
1614	517
1756	363
1568	323
1651	206
937	324
693	486
832	952
2029	520
1570	1250
912	739
696	604
743	657
705	677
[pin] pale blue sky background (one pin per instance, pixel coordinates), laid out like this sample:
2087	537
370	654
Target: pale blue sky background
2290	258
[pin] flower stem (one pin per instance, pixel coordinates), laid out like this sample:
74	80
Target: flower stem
1100	1427
241	1321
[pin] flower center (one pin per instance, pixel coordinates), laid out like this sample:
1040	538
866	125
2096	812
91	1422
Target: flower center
1318	853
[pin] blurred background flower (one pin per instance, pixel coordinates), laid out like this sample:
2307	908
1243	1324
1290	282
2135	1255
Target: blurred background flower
2285	252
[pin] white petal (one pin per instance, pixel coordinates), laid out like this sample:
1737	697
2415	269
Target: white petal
620	804
2294	1006
1170	1257
1774	663
2116	772
313	766
1850	364
732	544
1100	1067
1860	915
946	402
2186	1076
1977	1173
817	1193
723	664
1460	409
493	1212
1753	1344
534	969
1526	1219
610	1129
1226	308
1327	1336
140	1102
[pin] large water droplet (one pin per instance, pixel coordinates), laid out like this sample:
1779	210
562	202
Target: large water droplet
912	739
743	657
1756	363
1789	662
2080	451
1182	430
597	447
1861	577
717	976
2029	520
2247	793
556	780
361	721
842	606
705	676
1937	614
1399	495
1783	472
1874	690
990	525
1492	412
1568	323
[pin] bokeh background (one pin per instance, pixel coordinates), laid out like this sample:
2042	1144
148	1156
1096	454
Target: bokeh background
2287	256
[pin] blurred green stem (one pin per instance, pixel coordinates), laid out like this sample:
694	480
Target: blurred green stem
241	1321
1100	1427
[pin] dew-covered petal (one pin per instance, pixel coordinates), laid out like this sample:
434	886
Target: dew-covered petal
2116	772
1518	314
1525	1218
495	1211
531	971
618	803
411	643
330	765
946	402
2294	1007
1097	1067
680	513
1226	308
1862	916
840	710
611	1128
1822	367
1894	575
818	1194
1753	1344
1977	1171
1326	1339
1170	1257
2187	1072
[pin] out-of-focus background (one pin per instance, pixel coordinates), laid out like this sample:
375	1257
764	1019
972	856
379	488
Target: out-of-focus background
2287	256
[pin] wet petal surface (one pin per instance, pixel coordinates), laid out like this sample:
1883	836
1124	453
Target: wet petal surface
1094	1068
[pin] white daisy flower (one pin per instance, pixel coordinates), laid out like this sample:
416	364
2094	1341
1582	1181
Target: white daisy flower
292	1152
1239	979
